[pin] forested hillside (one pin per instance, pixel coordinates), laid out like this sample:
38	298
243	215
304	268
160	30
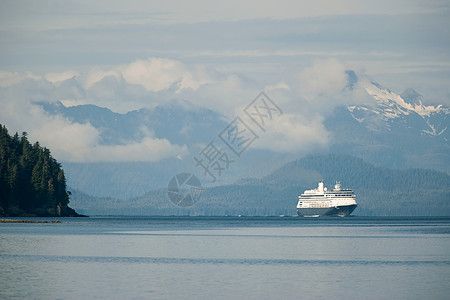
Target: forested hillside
380	192
32	182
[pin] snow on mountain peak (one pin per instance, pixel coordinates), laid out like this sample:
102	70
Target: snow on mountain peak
392	104
406	103
401	112
385	97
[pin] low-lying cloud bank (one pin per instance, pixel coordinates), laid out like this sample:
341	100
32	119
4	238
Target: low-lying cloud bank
305	96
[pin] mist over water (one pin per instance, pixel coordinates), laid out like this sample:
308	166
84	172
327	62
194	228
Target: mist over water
227	258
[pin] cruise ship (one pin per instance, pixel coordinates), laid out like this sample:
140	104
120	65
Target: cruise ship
321	202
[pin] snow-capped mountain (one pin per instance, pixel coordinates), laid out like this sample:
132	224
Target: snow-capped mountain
402	112
397	130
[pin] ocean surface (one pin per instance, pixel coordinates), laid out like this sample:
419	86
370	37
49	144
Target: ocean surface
226	258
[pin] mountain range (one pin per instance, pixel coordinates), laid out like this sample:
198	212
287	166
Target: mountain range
180	122
379	191
395	131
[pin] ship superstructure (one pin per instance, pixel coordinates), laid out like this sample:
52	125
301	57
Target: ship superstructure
321	202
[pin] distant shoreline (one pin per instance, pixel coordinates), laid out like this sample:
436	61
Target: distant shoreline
27	221
22	214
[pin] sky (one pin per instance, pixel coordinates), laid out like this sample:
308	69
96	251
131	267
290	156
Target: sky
125	55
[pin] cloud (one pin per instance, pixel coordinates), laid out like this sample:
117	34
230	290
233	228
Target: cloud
148	149
402	41
155	74
76	142
56	78
306	96
153	81
11	78
96	74
278	86
294	133
47	15
324	78
53	132
145	83
67	141
330	83
227	96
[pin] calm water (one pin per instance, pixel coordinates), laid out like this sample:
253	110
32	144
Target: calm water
227	258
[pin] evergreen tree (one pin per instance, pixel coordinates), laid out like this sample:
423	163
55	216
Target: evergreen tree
31	180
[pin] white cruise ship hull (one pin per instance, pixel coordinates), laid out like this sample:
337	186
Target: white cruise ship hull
340	211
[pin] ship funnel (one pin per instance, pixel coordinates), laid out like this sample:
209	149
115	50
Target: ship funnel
320	188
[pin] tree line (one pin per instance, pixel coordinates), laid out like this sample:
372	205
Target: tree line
379	192
32	182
